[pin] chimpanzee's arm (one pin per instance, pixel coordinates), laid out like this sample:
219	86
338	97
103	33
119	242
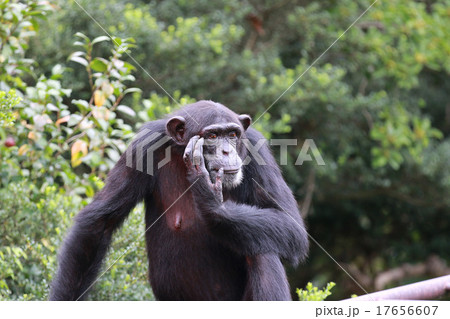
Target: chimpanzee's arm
265	219
252	230
88	240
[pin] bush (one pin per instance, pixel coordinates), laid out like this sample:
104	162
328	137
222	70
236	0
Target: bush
32	222
8	100
61	150
311	293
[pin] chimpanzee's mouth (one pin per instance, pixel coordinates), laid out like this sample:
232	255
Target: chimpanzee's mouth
231	171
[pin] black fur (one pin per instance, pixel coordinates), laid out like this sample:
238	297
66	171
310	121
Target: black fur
201	249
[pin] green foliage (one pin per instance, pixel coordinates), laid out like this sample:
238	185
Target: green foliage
7	102
54	137
19	20
398	131
311	293
32	222
157	106
412	39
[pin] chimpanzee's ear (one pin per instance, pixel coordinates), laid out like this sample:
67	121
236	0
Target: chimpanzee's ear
175	129
246	120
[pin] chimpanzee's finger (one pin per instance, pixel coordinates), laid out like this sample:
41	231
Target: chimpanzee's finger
218	185
198	159
188	152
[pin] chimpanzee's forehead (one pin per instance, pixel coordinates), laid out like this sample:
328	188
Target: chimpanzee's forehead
222	127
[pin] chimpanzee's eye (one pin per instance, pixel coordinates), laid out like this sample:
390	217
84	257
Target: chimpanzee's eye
232	134
212	136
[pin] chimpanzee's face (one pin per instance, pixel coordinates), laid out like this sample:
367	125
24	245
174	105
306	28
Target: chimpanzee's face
220	151
222	139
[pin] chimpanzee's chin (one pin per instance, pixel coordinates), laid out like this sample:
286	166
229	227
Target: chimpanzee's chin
230	181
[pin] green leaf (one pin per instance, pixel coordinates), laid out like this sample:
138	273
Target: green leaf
82	104
127	110
129	66
81	35
100	39
77	53
117	41
98	65
113	154
132	90
79	60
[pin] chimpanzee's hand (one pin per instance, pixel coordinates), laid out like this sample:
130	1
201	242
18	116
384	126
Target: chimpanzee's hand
194	160
216	183
196	169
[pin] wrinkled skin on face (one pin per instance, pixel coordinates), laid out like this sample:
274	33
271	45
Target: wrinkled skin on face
215	156
220	152
215	149
195	163
218	141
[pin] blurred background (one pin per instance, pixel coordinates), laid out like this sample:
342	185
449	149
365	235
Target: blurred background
376	104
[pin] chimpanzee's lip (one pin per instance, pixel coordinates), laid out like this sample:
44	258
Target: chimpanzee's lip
231	171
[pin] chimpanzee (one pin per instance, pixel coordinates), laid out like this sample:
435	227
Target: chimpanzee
220	218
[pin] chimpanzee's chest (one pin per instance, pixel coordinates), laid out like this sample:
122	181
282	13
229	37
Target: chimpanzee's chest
189	264
186	262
